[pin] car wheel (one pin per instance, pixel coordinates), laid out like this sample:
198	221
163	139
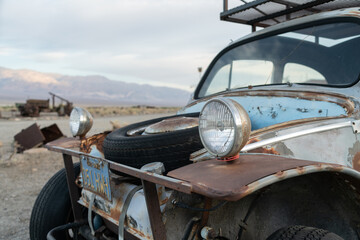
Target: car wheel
303	233
52	207
127	146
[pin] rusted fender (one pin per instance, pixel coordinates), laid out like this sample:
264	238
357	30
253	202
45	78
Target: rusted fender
234	180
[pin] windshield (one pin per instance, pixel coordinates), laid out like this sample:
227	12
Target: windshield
325	54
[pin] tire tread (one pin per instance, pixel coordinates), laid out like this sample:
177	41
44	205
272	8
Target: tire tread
45	215
298	232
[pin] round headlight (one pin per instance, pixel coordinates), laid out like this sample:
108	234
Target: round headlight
224	127
80	121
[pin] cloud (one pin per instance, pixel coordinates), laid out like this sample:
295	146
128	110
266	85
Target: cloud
8	51
132	40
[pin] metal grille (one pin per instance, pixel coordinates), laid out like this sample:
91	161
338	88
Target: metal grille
265	13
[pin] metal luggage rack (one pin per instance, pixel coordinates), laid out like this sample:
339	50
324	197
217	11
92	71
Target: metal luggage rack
265	13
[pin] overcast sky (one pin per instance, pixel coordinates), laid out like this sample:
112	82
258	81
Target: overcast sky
159	42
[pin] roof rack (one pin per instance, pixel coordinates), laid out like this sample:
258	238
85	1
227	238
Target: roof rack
265	13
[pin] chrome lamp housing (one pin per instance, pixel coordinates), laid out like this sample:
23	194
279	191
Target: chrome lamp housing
81	122
224	127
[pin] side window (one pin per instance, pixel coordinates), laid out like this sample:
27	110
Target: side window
220	81
297	73
251	72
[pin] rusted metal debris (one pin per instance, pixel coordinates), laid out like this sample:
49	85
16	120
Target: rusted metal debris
62	109
33	107
33	136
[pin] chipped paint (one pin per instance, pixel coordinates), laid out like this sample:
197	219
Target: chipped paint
356	161
352	14
345	102
352	157
268	108
265	150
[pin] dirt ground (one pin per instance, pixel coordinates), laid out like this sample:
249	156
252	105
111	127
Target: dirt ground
23	175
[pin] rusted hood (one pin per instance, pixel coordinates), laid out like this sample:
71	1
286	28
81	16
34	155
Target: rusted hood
230	180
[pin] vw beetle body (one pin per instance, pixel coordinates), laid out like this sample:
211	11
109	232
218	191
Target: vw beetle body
300	165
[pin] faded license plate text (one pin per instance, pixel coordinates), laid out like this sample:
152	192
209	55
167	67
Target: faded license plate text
95	176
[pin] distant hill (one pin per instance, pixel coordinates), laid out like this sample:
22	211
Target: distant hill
19	85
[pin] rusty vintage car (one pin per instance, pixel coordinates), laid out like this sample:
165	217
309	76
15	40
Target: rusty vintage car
268	147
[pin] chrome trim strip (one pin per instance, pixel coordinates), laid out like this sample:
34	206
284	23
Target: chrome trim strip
269	141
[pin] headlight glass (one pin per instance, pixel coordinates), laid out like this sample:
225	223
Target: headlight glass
224	127
80	121
74	122
217	127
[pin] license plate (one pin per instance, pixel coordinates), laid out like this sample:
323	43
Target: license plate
95	176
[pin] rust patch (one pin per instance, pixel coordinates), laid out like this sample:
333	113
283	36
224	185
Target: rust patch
141	234
265	150
160	192
206	214
252	140
262	149
337	167
96	140
300	170
246	190
97	210
164	201
115	212
319	166
356	161
352	14
280	174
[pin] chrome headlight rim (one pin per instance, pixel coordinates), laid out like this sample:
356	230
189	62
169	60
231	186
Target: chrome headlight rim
241	123
83	119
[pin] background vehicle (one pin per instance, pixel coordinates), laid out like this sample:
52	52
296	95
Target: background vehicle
33	107
279	123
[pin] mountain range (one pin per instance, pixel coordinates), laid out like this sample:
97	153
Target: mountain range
19	85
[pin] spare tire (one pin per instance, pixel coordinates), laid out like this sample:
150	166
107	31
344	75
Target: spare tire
173	149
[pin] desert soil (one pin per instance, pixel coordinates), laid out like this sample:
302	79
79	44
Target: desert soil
23	175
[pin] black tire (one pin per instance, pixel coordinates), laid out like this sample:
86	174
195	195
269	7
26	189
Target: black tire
171	148
303	233
52	207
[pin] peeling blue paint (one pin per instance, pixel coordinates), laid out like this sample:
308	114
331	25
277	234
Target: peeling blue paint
266	111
